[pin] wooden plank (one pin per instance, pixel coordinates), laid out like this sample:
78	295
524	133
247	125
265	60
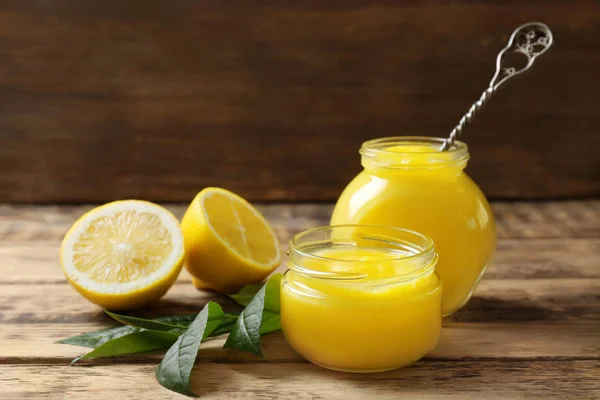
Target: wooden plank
423	380
37	261
531	330
59	303
459	341
532	300
31	234
554	219
157	100
549	219
545	258
494	301
33	223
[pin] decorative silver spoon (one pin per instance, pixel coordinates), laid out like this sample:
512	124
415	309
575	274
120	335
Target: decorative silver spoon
530	40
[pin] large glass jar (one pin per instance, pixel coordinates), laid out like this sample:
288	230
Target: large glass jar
408	182
361	298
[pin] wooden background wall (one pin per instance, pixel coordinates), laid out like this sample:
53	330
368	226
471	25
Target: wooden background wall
156	99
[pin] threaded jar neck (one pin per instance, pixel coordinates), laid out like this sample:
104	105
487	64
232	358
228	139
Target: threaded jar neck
343	252
405	153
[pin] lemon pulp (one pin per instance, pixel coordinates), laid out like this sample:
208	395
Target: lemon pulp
228	242
124	254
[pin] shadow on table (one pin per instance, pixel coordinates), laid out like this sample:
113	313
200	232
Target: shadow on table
307	381
167	307
284	374
493	309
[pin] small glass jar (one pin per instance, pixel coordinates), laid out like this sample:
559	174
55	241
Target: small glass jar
361	298
408	182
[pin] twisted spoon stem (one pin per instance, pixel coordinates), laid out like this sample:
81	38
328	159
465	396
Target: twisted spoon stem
467	118
529	40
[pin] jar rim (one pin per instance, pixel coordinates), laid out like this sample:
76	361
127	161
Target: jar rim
378	154
421	248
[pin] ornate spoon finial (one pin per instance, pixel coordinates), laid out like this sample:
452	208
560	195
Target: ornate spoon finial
531	40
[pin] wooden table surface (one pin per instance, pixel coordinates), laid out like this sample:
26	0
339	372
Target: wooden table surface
532	329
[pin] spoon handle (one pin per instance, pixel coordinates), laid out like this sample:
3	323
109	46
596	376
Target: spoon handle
531	40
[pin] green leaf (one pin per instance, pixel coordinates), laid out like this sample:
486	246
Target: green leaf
98	338
133	343
271	322
245	335
246	294
224	319
215	317
223	328
182	319
176	366
272	297
131	340
148	324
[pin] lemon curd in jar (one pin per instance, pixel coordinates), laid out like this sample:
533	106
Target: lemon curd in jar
408	182
361	298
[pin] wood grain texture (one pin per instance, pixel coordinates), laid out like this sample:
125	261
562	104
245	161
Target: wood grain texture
460	341
514	220
37	262
423	380
500	300
532	329
562	238
156	100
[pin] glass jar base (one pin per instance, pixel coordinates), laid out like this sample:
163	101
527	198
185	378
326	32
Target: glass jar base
361	370
468	297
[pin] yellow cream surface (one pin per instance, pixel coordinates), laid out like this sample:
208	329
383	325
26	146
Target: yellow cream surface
374	320
425	192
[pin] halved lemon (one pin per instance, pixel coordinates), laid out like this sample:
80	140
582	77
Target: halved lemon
124	254
228	243
198	284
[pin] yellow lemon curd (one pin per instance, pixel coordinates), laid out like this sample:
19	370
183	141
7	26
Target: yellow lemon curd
361	298
408	182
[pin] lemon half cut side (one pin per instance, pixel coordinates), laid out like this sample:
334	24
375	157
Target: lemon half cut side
228	242
124	254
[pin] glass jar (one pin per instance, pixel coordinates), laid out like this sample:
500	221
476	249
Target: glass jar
408	182
361	298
